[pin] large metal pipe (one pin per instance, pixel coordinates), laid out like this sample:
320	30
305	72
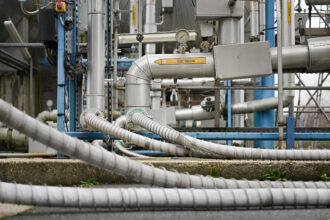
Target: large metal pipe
312	57
96	55
148	67
150	24
194	113
190	65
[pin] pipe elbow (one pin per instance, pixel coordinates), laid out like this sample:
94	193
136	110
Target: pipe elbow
140	69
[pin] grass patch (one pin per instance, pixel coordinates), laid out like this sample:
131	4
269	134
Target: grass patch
88	183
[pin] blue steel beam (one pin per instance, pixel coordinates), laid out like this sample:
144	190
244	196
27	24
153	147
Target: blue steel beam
266	118
229	115
216	135
60	74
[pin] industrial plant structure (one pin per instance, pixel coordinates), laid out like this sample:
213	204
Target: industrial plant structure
106	80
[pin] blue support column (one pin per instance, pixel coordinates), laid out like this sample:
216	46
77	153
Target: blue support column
72	105
290	132
229	115
60	77
266	118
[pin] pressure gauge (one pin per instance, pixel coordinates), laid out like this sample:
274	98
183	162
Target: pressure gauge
182	36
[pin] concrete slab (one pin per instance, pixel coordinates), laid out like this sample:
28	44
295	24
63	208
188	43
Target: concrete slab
7	210
70	172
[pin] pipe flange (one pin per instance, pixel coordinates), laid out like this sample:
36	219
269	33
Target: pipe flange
83	115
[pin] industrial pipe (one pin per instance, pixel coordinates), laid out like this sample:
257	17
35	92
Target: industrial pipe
139	118
160	198
194	113
122	166
144	69
95	55
50	116
121	147
160	37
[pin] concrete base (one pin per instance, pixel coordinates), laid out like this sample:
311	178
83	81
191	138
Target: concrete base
68	172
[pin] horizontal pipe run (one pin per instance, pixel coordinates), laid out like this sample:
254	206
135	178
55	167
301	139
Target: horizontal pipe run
35	45
159	37
160	198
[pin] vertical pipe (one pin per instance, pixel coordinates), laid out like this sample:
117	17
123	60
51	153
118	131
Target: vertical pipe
229	33
280	119
115	56
150	24
254	20
133	25
96	54
140	25
266	118
60	75
31	89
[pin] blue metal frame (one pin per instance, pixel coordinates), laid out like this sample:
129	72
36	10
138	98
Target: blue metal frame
290	133
215	135
266	118
229	115
72	82
60	74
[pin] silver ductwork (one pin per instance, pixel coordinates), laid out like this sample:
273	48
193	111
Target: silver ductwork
149	67
96	54
308	58
194	113
312	57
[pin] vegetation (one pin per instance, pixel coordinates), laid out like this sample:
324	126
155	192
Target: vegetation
88	183
215	171
276	175
325	177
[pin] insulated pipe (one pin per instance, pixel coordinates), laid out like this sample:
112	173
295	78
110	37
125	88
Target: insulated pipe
122	166
91	122
194	113
50	116
224	150
150	24
133	17
96	54
144	69
260	105
160	198
121	147
121	122
16	37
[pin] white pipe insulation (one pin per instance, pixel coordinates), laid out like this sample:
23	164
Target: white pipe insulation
160	198
123	166
139	118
